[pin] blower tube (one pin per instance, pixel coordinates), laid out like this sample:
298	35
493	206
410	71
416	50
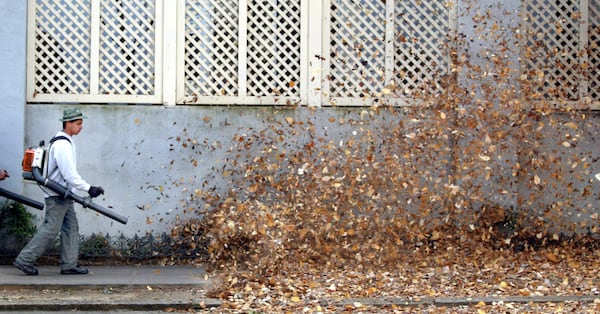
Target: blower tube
86	202
21	199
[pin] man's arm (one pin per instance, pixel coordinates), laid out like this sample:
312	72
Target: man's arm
63	154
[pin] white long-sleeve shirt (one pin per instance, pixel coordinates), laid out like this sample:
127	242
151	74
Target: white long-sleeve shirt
62	165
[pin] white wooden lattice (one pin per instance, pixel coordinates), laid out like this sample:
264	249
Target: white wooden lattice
127	47
553	47
421	46
257	51
94	51
62	47
211	49
357	49
243	52
594	50
386	51
246	52
273	48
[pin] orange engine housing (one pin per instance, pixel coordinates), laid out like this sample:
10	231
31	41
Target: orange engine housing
28	160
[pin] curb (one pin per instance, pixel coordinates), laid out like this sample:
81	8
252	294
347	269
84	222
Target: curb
157	305
210	303
460	301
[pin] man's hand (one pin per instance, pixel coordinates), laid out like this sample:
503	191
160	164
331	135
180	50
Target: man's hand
95	191
3	174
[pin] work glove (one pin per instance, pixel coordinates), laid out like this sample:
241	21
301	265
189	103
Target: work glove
95	191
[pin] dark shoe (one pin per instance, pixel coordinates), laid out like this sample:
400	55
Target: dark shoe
77	270
27	269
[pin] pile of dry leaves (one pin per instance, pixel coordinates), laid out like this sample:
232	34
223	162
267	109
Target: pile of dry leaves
389	211
405	202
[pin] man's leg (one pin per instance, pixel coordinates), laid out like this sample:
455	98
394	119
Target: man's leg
69	243
45	234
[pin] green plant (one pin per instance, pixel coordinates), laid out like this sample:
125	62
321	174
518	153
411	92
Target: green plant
18	220
95	245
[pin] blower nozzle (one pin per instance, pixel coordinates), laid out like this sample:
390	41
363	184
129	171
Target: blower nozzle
21	199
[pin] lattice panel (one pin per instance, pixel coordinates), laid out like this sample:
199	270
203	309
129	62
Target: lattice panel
594	50
552	48
421	54
211	48
127	36
62	47
273	48
357	48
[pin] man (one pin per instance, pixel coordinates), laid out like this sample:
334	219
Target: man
60	212
3	174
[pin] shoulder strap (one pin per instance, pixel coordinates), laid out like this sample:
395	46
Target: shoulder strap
54	139
60	137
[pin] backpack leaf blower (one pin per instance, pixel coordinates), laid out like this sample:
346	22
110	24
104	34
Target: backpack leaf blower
33	165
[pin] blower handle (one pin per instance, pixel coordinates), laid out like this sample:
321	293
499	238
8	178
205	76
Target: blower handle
86	202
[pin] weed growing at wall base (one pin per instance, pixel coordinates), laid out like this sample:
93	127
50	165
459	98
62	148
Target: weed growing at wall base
16	220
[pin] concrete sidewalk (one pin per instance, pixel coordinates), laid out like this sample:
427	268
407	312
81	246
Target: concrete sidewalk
156	288
114	276
106	288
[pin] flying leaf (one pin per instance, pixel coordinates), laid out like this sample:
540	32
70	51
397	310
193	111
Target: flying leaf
484	157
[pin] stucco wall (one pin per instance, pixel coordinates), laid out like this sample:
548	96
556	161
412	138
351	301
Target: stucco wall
12	88
152	160
143	155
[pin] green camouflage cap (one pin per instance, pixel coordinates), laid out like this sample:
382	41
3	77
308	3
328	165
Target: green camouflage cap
71	114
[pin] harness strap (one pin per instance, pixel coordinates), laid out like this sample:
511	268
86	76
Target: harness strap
54	139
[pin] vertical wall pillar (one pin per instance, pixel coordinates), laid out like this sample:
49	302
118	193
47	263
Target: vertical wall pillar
12	88
315	50
169	50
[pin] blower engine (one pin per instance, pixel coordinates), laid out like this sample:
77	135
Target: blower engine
34	160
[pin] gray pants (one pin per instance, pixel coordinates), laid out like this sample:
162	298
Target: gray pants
60	217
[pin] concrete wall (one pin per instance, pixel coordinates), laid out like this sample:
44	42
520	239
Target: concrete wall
13	15
152	159
129	151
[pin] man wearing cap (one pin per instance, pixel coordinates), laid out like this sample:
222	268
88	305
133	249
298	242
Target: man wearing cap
60	212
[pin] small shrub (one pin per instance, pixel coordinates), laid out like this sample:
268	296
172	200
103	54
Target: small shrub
18	220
